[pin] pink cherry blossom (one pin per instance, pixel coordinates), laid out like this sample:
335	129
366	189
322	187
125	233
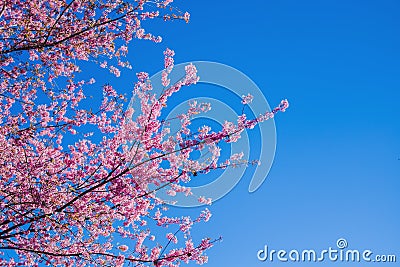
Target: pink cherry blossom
247	99
79	175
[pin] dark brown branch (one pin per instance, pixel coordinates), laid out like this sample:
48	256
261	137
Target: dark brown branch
55	43
57	20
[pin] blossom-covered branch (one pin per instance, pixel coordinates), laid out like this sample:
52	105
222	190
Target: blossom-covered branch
79	183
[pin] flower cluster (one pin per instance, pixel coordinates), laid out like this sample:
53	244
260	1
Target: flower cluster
76	176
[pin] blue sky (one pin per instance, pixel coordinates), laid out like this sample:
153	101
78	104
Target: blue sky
336	171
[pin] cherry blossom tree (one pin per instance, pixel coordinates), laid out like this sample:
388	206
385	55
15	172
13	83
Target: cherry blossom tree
78	184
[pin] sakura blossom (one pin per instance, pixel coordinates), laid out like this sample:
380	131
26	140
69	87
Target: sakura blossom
79	179
246	99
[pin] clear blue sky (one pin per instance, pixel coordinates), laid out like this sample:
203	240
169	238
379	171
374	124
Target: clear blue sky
337	170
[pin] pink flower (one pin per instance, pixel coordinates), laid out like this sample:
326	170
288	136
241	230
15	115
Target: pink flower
164	78
142	76
32	55
237	156
186	17
167	2
120	260
169	53
103	64
284	105
247	99
203	200
191	75
172	237
206	215
115	71
140	33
